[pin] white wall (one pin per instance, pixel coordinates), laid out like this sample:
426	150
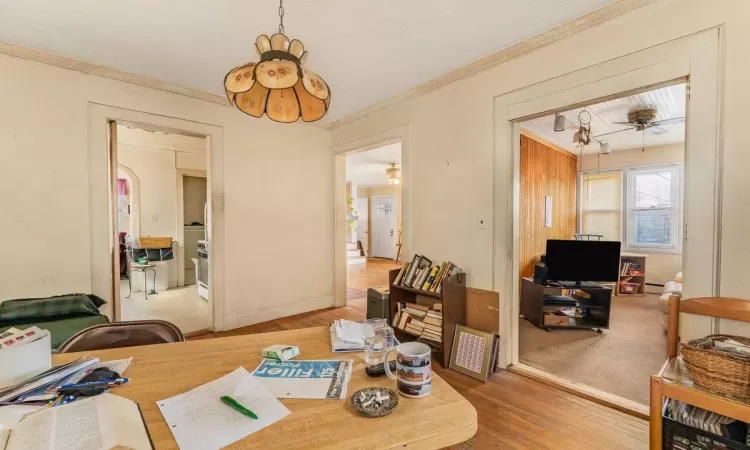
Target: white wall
156	172
455	123
194	192
660	267
44	186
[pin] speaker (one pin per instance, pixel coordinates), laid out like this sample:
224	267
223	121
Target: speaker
540	274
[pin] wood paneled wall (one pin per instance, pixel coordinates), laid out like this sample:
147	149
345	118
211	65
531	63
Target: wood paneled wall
545	171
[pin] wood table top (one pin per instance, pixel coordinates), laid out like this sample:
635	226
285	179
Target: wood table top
158	372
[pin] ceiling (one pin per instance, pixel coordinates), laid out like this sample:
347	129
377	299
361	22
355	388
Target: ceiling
367	169
367	51
668	101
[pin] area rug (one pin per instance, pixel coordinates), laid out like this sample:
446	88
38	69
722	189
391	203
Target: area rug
619	361
352	293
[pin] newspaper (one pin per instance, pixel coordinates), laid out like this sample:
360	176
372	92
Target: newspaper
324	379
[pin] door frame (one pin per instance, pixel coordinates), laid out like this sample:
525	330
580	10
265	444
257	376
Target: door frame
102	184
394	135
697	58
394	197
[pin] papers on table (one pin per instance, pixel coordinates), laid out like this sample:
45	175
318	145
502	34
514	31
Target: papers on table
46	379
349	336
199	420
305	379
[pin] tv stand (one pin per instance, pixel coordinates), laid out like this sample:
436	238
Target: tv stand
578	284
538	303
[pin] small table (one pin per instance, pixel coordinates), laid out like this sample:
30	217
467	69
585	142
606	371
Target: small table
157	372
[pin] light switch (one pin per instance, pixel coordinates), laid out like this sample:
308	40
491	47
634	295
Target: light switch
154	217
481	223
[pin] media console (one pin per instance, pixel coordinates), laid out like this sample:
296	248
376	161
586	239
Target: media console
588	305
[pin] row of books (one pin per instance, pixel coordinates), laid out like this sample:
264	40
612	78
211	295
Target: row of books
705	420
630	268
421	274
423	321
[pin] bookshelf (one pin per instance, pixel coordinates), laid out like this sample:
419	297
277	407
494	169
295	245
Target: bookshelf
453	299
632	279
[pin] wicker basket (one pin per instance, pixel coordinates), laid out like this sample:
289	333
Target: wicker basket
719	372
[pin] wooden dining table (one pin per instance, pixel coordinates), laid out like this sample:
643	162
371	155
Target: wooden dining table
157	372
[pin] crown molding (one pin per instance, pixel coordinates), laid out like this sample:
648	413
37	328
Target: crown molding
593	18
107	72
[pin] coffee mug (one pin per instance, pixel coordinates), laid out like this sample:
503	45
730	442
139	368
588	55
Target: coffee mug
413	368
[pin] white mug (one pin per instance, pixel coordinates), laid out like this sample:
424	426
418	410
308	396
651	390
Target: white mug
413	368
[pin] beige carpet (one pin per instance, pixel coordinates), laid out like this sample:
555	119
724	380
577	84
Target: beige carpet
619	361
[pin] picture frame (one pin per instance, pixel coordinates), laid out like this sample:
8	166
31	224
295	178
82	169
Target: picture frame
472	352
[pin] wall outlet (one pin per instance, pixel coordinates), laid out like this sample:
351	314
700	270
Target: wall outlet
481	223
154	217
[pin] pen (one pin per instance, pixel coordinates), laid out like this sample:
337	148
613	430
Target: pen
234	404
113	382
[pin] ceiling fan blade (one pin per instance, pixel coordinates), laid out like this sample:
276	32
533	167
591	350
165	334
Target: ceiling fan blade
622	123
667	121
613	132
656	131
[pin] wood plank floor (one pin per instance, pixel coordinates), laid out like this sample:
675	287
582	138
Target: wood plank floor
514	412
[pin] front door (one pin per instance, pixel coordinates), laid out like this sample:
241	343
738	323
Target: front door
383	226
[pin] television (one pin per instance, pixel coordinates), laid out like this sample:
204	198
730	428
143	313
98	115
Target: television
577	261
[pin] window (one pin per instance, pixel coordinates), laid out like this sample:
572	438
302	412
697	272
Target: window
601	204
653	207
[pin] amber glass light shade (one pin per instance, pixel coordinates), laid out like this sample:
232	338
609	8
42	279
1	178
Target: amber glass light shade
278	86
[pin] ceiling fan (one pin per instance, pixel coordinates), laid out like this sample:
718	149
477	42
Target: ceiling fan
643	120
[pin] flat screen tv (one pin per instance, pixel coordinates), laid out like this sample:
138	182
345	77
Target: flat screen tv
577	261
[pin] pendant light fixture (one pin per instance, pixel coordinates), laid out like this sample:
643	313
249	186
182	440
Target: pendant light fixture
278	85
394	174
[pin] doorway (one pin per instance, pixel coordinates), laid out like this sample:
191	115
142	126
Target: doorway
373	189
607	175
695	58
159	235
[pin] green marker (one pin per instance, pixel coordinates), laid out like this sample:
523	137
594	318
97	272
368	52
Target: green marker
234	404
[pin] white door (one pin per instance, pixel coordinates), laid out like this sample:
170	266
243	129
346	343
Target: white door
383	230
362	208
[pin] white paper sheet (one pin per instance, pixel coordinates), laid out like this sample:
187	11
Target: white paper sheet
355	332
11	414
199	420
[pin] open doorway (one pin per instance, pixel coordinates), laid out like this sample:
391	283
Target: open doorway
374	232
605	175
162	219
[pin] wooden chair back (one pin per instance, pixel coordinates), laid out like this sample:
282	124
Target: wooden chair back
721	307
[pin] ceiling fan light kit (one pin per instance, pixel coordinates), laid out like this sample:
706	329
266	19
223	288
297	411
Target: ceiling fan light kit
394	174
278	85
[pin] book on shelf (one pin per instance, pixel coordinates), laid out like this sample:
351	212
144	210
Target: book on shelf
437	306
430	278
416	323
404	319
415	312
432	321
404	269
434	314
396	319
412	329
705	420
435	328
423	275
581	294
431	337
418	306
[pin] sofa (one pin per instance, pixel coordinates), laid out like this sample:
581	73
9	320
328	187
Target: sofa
62	315
673	287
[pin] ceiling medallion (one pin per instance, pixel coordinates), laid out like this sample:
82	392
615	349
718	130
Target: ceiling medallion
278	85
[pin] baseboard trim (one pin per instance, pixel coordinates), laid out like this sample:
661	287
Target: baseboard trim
595	395
238	319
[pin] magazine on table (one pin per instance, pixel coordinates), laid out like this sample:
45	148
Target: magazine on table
324	379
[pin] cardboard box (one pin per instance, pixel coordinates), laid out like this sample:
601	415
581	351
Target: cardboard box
552	319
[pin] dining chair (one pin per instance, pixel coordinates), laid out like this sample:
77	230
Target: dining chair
122	334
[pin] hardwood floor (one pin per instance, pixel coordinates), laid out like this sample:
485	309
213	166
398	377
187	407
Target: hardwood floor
514	412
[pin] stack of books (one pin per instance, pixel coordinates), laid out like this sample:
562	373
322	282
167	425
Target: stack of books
705	420
421	274
630	268
423	321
